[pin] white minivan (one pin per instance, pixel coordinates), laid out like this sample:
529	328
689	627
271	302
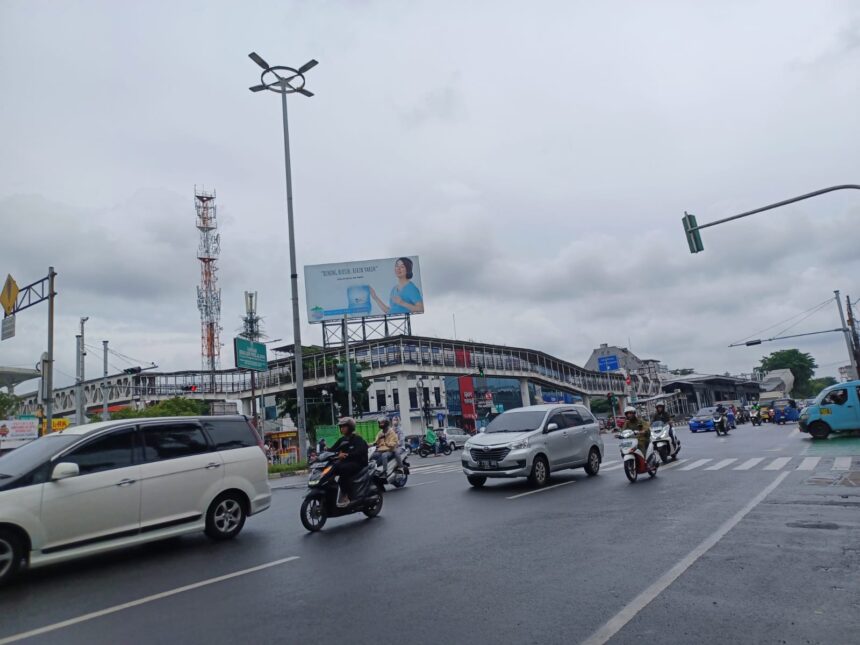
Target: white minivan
103	486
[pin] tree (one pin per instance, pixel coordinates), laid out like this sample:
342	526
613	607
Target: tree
802	367
818	384
175	407
9	404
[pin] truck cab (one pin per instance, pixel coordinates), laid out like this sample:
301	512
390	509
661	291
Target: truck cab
836	409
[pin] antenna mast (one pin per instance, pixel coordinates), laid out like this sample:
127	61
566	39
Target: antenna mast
208	293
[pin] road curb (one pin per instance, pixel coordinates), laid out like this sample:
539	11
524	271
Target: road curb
295	473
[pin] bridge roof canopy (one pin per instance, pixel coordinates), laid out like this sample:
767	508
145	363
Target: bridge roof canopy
12	376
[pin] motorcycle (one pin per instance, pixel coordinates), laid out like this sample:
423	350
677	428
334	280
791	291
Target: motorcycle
755	417
320	503
665	442
721	423
635	463
426	449
392	475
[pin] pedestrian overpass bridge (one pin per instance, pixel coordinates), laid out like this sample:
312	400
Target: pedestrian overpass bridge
379	359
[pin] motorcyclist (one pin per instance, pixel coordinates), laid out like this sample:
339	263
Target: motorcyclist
386	443
662	414
351	457
640	426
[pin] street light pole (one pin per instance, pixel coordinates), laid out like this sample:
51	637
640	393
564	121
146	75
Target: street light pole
852	362
286	80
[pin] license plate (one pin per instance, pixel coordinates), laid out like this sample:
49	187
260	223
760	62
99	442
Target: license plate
824	412
488	464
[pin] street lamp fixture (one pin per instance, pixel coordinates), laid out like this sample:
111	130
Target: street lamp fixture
287	80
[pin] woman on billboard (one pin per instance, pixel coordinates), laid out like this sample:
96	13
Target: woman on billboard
405	297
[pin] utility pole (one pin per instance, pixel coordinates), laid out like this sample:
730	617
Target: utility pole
848	340
48	374
348	373
105	414
78	381
852	329
80	396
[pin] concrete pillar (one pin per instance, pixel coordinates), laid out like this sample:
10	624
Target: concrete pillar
524	392
402	385
586	401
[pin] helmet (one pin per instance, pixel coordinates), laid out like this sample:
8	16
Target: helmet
629	408
660	404
349	422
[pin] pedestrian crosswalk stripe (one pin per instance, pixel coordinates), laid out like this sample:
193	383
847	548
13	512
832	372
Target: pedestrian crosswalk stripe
842	463
721	464
615	467
778	463
809	463
749	463
449	468
696	464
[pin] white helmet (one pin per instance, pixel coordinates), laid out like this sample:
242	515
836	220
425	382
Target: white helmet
629	408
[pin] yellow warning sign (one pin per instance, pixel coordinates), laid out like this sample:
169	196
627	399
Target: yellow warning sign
9	295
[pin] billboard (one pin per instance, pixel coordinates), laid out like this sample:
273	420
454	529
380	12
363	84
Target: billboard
369	288
607	363
17	429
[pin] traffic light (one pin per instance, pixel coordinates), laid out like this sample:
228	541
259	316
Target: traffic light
694	239
340	376
481	371
355	376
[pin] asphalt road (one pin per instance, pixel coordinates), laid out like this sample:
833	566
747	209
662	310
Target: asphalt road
760	543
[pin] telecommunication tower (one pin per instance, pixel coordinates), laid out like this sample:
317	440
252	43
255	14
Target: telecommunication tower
208	293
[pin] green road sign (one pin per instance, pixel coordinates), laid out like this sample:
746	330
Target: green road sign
250	355
691	230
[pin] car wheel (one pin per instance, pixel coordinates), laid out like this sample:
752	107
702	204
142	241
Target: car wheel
225	517
540	472
593	465
11	554
313	514
373	509
477	481
819	430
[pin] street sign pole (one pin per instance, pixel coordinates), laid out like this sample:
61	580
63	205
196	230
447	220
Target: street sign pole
348	374
49	376
105	414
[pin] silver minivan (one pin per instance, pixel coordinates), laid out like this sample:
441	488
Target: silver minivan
534	442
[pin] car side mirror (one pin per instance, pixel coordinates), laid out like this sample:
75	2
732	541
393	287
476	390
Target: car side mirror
64	470
551	427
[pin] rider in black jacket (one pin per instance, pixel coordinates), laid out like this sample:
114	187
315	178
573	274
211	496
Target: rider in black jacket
352	457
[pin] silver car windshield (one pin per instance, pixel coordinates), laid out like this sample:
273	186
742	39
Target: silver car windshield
516	422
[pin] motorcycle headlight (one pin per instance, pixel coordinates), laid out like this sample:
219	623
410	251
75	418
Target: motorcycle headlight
518	445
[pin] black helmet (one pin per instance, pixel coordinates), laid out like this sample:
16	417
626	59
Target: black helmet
347	422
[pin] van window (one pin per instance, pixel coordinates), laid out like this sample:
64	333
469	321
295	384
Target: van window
173	440
114	450
229	434
573	418
836	397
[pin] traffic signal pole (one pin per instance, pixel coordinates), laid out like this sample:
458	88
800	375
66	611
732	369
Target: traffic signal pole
348	371
692	228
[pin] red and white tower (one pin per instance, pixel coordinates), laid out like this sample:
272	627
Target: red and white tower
208	293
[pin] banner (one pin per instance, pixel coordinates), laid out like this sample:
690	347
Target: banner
19	429
391	286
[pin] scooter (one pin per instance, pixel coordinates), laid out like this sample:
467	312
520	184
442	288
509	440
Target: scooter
392	475
665	442
321	501
426	449
721	424
755	417
635	463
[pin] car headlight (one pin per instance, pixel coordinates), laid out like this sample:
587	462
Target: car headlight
518	445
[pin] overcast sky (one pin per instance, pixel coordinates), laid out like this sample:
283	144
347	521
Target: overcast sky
538	157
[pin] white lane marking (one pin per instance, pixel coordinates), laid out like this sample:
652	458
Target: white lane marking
615	467
778	463
672	464
842	463
809	463
722	464
427	470
749	463
141	601
532	492
629	611
394	490
696	464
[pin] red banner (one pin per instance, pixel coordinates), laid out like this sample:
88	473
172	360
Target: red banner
467	397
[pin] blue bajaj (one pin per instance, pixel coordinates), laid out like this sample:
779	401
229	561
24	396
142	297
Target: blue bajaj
785	411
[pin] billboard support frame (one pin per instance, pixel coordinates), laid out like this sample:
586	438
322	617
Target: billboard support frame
365	328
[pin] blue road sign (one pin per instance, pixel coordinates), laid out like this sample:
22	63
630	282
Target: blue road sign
607	363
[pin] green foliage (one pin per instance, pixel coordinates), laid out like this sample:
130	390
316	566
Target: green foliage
801	364
175	407
600	405
9	405
818	384
287	468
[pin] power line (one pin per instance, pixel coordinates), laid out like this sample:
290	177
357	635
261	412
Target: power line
811	309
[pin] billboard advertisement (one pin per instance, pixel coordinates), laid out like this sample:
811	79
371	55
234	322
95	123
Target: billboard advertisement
369	288
17	429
